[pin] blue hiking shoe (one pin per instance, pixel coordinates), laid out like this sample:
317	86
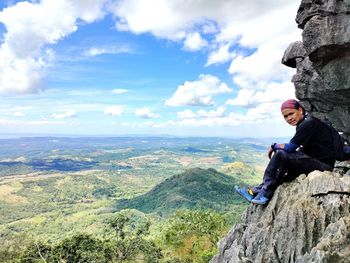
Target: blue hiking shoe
260	199
245	192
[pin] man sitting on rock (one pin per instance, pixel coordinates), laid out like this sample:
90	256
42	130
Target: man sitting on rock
311	148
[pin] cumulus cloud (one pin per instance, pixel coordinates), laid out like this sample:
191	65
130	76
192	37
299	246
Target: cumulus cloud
199	92
114	111
64	115
186	114
273	92
173	19
219	112
119	91
220	55
260	68
250	23
224	28
146	113
227	28
160	18
30	27
194	42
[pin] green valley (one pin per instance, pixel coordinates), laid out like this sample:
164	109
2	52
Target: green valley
56	192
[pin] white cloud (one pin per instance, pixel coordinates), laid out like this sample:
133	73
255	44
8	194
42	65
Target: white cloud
260	68
114	111
263	113
186	114
199	92
19	114
64	115
172	19
219	112
96	51
273	92
225	28
201	114
146	113
30	27
243	98
119	91
250	23
252	34
220	55
7	122
159	18
194	42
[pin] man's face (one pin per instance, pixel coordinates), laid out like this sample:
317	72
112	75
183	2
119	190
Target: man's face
293	116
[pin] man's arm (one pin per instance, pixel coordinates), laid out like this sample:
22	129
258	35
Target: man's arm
288	147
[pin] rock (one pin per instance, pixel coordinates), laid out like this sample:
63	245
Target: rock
311	8
294	52
307	220
322	61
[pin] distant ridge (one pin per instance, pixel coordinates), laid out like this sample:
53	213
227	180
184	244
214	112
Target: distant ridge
194	189
194	150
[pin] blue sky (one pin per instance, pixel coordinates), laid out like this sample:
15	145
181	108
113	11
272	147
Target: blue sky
138	67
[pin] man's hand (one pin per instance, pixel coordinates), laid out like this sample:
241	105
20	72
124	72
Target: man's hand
274	147
270	152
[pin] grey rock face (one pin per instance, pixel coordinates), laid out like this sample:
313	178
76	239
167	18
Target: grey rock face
307	220
310	8
322	60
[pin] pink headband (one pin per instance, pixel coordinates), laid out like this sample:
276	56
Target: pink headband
290	104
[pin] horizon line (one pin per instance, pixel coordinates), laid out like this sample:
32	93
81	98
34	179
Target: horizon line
59	135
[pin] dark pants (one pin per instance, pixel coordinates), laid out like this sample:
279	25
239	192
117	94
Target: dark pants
284	167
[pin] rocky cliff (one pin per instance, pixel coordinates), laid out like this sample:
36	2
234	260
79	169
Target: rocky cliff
322	60
307	220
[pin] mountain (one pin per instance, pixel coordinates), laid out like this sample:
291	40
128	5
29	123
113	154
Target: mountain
194	189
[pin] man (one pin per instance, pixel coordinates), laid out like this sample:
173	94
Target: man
310	149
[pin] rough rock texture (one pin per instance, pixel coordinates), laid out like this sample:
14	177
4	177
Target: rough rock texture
322	60
307	220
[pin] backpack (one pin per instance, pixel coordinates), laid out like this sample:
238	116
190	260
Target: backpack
341	150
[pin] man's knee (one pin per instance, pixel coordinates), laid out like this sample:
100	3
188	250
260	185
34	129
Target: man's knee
280	155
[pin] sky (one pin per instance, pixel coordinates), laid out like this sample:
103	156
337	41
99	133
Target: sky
142	67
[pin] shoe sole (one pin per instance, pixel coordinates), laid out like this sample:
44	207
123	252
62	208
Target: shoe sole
237	189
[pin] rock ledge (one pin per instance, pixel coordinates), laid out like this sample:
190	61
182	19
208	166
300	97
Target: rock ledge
308	220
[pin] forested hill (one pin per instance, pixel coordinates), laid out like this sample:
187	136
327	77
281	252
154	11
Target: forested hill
194	189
